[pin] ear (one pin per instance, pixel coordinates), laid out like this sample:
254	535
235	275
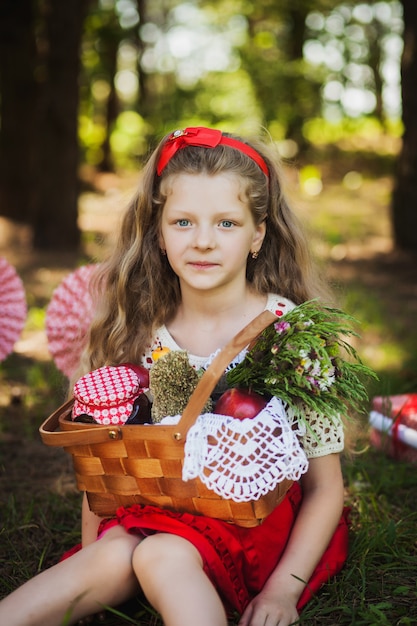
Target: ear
259	235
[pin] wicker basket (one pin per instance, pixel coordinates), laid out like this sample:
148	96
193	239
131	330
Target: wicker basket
124	465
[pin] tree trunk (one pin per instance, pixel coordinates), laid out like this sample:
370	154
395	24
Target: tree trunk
39	117
404	200
145	104
55	222
18	111
110	38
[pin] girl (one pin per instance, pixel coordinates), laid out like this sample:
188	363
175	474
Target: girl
208	243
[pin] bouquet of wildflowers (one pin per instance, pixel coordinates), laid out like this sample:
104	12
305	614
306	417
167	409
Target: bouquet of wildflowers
305	360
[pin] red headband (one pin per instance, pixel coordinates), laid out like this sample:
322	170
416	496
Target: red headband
205	138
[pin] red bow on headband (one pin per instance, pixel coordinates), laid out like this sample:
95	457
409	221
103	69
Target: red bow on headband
204	138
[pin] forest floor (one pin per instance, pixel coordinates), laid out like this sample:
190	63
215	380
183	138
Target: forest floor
349	226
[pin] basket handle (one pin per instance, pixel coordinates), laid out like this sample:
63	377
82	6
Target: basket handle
53	437
212	375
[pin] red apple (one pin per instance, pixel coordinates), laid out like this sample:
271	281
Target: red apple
143	374
240	403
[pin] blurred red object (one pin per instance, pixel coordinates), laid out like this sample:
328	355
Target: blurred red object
393	422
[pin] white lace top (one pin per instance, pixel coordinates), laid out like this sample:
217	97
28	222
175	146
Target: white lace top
323	437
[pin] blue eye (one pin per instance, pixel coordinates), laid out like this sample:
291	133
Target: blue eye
227	223
183	222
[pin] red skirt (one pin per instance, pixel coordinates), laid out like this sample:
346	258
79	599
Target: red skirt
239	560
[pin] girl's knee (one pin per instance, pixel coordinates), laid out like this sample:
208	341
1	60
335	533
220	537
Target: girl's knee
162	549
114	550
169	570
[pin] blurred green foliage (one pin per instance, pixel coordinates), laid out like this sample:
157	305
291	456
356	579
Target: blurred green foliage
311	71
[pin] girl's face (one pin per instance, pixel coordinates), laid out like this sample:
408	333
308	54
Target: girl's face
208	230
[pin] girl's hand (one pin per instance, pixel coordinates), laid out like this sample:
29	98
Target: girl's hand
268	609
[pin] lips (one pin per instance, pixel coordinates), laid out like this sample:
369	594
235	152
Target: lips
202	264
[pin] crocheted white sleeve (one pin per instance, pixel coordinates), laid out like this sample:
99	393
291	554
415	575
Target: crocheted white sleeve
323	435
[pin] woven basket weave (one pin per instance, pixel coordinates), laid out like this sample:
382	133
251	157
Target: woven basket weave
142	464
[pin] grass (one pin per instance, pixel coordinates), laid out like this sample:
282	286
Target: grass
377	585
39	503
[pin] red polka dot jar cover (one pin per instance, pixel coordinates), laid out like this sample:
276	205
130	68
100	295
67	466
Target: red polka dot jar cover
108	394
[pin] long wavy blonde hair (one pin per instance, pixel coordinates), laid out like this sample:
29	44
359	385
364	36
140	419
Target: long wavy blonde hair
136	289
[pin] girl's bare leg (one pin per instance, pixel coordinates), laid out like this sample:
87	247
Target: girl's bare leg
100	574
170	572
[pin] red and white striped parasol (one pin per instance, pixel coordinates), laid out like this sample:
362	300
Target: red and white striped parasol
13	308
68	318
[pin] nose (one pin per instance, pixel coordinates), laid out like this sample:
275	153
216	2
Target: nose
204	237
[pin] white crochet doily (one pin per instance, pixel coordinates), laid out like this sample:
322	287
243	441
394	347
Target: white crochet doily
242	460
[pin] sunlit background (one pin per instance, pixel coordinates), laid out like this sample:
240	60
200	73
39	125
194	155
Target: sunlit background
196	60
